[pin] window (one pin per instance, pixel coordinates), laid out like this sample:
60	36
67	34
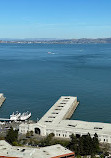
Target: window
62	103
55	113
60	106
71	125
48	121
98	128
51	117
65	100
57	109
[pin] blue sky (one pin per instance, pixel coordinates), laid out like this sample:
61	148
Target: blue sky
55	18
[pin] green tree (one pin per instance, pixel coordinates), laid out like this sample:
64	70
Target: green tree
73	143
28	134
12	136
84	145
31	133
95	143
88	146
48	140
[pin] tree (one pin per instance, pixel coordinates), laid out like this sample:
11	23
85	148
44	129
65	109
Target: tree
73	143
31	133
12	136
84	145
95	143
87	144
49	139
27	134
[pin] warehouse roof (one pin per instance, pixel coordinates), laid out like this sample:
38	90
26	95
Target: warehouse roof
57	112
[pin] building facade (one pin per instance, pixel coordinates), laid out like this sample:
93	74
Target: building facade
56	121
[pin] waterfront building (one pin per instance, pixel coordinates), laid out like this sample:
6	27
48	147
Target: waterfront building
54	151
56	121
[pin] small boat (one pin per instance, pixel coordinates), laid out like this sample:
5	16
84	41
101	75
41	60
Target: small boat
25	116
15	116
49	52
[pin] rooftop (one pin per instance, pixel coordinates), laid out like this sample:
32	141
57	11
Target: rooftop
83	126
57	112
27	152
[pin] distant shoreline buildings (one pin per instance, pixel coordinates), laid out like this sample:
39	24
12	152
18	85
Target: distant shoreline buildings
58	41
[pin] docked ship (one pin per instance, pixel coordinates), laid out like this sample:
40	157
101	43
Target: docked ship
15	116
25	116
20	117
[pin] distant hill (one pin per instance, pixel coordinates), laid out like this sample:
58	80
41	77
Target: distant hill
58	41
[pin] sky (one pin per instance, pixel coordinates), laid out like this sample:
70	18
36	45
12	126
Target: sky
55	19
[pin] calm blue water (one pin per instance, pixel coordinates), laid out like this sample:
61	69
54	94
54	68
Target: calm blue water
33	80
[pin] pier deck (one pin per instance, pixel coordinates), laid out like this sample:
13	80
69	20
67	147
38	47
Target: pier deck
62	109
55	121
4	119
2	99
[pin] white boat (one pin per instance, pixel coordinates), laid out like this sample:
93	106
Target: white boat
49	52
25	116
15	116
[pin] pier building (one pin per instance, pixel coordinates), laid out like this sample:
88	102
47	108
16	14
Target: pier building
61	110
56	121
2	99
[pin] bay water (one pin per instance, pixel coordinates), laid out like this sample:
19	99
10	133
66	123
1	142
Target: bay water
34	76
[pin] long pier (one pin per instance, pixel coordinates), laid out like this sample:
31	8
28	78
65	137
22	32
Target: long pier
4	120
2	99
56	121
61	110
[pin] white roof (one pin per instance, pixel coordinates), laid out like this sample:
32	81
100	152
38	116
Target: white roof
28	152
56	122
76	126
52	151
57	112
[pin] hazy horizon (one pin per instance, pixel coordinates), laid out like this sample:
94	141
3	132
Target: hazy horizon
55	19
52	38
